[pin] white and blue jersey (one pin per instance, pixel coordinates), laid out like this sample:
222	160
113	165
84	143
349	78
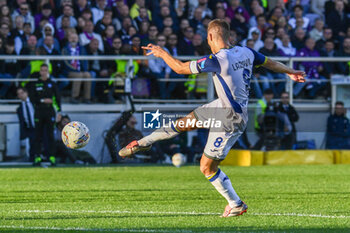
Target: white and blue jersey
232	69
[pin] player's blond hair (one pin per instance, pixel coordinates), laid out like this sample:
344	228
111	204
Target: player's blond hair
221	28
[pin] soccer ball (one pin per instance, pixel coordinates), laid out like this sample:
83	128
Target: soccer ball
178	159
75	135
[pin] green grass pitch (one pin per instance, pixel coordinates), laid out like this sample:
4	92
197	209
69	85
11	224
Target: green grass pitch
168	199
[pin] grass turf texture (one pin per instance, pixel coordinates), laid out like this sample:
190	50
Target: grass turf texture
169	199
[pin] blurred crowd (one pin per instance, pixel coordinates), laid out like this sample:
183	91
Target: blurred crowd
305	28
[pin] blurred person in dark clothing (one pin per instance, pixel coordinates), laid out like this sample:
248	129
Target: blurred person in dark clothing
48	45
46	100
343	67
201	48
25	113
28	49
284	106
8	68
97	68
338	128
327	34
299	38
151	36
338	19
266	75
185	45
328	51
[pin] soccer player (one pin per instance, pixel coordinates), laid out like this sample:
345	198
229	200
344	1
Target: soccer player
232	68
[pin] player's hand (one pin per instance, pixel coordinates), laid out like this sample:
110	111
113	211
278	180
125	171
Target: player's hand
153	49
297	76
47	101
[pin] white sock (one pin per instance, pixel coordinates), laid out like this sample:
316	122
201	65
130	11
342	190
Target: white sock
223	185
160	134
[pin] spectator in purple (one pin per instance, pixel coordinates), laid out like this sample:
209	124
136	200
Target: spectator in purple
298	40
185	44
104	22
62	32
46	13
24	11
231	11
88	34
107	37
312	69
48	30
338	19
67	11
143	32
239	22
76	69
98	10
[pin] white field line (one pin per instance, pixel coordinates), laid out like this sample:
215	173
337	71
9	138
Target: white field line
178	213
92	229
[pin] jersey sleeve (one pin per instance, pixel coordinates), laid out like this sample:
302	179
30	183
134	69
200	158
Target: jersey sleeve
259	58
205	64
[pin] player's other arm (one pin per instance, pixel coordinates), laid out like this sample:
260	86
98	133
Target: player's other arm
278	67
175	64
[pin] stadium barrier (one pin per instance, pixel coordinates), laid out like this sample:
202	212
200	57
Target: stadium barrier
129	74
286	157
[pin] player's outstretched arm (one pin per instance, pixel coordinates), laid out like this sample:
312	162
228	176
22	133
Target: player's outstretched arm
175	64
295	75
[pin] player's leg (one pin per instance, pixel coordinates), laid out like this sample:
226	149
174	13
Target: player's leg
163	133
220	141
221	182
